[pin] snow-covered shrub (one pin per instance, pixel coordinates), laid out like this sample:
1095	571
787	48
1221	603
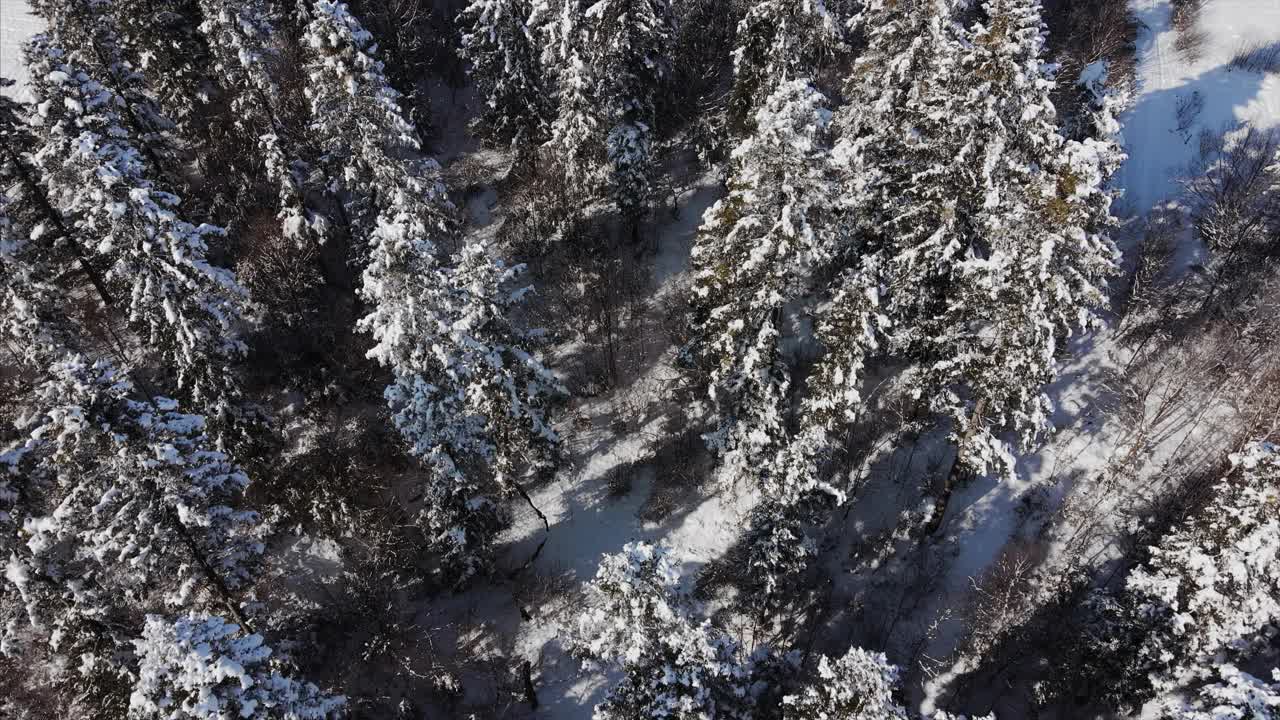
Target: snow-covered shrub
200	667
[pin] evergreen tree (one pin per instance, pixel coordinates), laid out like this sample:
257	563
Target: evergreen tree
754	254
126	496
200	667
507	69
1236	695
468	396
858	686
982	224
155	262
1212	587
615	62
368	145
673	665
467	391
240	39
89	34
779	41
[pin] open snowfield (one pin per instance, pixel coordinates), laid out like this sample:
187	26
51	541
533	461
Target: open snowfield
16	25
1159	150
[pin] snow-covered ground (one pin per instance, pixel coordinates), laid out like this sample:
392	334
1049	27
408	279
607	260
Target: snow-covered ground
1158	150
16	25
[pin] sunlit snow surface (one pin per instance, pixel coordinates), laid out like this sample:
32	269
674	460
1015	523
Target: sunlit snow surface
16	25
1158	151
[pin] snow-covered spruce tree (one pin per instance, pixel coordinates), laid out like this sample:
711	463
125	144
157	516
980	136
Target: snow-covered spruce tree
673	664
162	39
1213	586
1236	695
616	61
778	41
506	65
576	130
754	254
201	667
88	34
188	311
984	225
128	495
858	686
239	36
467	394
368	146
1033	267
861	685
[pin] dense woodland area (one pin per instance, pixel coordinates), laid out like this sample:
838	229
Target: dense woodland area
310	311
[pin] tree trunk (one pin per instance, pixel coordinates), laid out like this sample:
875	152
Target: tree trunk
957	467
530	694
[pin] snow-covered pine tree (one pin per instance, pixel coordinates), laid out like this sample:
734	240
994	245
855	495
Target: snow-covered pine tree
614	65
1212	586
162	39
1032	266
506	65
983	225
673	664
1235	695
858	686
467	391
755	253
88	33
201	667
576	130
188	311
128	495
368	146
468	396
778	41
239	35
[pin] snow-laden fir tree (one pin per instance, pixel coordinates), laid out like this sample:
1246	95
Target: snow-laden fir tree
89	34
1211	589
187	310
506	65
1033	265
128	494
201	667
984	226
161	39
468	395
779	41
239	34
613	68
1235	695
753	255
858	686
368	146
673	663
